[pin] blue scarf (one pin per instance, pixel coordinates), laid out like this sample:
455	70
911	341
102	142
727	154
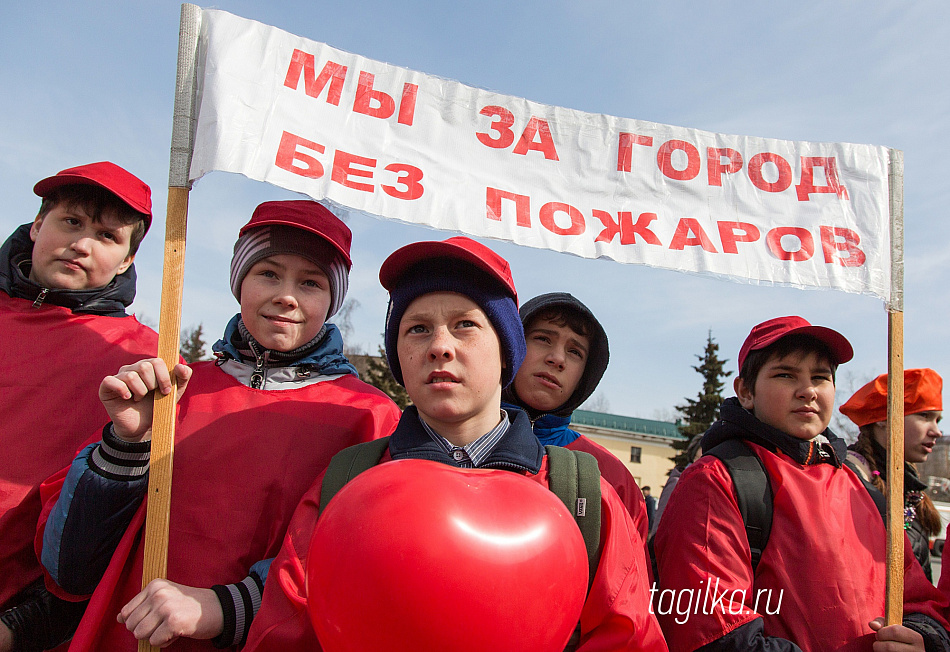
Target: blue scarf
326	357
550	429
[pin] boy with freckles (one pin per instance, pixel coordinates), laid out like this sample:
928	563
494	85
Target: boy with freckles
454	340
820	581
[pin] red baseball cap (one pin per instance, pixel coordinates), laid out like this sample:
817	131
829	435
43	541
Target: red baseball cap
307	215
771	331
460	248
120	182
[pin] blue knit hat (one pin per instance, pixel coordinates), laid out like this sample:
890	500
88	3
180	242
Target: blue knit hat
459	265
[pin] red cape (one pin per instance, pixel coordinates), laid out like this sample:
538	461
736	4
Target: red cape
821	578
618	476
49	400
243	459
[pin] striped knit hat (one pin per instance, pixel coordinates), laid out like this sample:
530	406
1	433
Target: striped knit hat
300	227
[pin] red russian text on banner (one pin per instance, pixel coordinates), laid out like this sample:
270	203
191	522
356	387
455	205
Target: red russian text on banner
400	144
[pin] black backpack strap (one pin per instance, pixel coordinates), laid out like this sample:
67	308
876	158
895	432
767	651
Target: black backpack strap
349	463
753	492
651	549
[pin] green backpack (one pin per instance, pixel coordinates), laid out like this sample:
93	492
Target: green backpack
573	476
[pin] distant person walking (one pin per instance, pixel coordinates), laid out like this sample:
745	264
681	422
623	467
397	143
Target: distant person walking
651	507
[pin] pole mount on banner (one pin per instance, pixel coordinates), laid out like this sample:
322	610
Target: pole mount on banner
169	325
895	396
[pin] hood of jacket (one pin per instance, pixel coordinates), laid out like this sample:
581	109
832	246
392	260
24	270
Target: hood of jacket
597	358
735	422
15	260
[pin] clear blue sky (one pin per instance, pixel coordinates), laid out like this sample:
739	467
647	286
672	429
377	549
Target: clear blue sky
94	80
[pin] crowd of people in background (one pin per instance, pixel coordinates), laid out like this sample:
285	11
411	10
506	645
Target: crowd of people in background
770	537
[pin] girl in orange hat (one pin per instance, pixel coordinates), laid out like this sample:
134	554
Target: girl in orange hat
923	408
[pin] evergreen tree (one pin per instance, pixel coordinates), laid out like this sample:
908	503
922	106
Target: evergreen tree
193	344
699	413
379	376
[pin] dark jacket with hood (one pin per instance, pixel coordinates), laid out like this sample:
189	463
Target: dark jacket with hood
553	428
821	577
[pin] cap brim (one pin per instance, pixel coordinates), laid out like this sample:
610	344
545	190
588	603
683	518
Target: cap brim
45	186
840	347
402	259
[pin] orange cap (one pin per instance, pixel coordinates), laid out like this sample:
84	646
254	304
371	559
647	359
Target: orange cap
922	392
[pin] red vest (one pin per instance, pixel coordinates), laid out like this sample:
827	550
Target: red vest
53	363
616	615
243	459
820	579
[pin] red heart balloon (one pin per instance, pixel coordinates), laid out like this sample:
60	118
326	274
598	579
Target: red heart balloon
416	556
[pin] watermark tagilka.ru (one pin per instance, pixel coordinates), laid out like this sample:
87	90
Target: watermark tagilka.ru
706	600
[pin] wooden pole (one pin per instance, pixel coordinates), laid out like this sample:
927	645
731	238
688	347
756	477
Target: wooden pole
169	327
895	397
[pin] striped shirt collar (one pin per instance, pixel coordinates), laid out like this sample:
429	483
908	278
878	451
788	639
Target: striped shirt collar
475	453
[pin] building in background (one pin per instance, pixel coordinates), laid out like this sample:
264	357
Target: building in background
644	445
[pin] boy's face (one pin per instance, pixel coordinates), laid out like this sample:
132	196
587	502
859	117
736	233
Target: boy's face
795	394
284	301
72	252
553	366
451	365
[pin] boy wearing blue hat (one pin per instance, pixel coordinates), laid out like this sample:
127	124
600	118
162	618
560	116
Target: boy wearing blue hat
454	340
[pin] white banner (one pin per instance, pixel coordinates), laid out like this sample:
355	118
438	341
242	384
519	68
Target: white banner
403	145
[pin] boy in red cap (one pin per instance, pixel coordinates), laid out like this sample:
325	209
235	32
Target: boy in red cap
923	409
255	427
454	340
67	279
819	580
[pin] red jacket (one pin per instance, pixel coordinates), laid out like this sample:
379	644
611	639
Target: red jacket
615	617
243	459
50	405
944	583
821	577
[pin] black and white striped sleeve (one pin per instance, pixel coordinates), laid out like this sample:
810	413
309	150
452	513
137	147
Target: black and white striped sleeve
103	489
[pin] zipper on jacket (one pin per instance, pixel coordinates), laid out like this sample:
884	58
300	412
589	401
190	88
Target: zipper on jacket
257	376
40	298
507	466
